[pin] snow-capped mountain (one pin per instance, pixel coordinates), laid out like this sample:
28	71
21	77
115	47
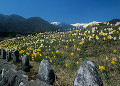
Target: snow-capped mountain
78	25
84	25
62	25
55	23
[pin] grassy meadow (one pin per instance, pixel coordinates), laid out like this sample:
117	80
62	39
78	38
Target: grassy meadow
67	50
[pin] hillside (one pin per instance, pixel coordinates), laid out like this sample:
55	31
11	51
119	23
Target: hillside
114	21
16	23
67	50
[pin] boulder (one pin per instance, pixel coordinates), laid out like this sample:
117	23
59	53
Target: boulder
0	77
46	72
15	56
3	73
11	80
8	57
0	70
87	75
3	53
21	84
4	81
25	63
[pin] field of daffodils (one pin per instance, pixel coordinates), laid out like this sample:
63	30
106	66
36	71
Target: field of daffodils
67	50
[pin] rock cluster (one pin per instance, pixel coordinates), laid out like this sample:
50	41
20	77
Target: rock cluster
8	77
86	75
11	77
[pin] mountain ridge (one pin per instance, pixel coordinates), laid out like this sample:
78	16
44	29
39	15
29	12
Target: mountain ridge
84	25
16	23
78	25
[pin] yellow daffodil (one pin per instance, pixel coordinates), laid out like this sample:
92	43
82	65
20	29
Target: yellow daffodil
104	38
105	23
117	32
114	59
78	49
106	58
101	67
50	60
114	38
66	46
81	42
115	51
40	54
72	54
28	53
66	65
109	37
113	62
57	51
114	30
77	62
38	49
97	37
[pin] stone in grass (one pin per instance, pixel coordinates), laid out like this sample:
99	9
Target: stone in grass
3	72
3	53
0	77
46	72
15	56
8	57
4	81
87	75
21	84
11	80
25	63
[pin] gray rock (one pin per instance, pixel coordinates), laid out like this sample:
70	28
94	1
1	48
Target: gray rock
0	77
46	72
3	53
8	57
11	80
0	70
4	81
87	75
3	72
15	56
25	63
21	84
